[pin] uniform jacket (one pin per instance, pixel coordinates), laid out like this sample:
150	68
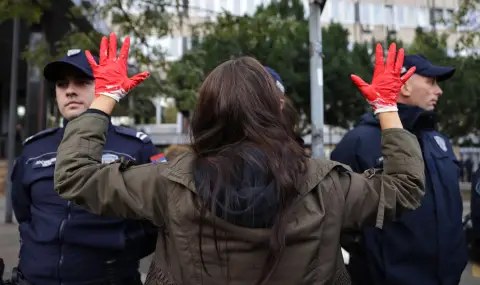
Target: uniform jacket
426	246
330	199
61	243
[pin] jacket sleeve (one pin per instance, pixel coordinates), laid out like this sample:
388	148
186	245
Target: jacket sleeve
21	200
118	189
149	242
356	149
377	194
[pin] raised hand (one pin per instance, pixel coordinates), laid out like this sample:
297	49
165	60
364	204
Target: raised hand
382	94
110	74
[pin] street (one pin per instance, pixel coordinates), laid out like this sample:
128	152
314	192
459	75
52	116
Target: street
9	251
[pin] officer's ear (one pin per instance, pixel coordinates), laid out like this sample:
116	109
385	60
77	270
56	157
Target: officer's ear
282	102
406	89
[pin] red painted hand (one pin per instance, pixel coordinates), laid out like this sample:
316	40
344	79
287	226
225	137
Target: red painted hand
110	74
382	94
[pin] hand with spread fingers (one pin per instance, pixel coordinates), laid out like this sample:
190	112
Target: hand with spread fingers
110	74
382	94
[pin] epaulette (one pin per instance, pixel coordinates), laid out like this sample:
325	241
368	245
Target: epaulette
39	135
133	133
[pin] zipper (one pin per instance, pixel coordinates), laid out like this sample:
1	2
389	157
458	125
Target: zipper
60	237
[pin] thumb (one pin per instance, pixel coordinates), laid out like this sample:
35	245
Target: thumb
90	59
365	88
358	81
137	79
408	74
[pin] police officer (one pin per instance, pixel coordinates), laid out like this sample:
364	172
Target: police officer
61	243
289	112
426	246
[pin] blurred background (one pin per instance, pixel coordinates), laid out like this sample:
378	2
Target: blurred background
181	41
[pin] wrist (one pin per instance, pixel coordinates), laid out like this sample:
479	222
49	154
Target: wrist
390	120
104	104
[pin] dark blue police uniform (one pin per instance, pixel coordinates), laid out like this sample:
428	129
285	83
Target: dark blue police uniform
425	246
60	242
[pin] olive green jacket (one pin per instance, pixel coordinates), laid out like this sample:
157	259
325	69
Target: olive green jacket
331	200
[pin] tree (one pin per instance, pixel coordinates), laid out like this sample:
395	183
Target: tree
143	20
277	35
170	114
466	21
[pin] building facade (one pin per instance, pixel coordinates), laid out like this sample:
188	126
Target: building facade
365	19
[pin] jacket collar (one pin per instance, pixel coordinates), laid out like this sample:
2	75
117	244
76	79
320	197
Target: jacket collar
415	118
180	170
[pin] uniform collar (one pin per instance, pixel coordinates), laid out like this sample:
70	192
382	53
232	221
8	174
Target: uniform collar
415	118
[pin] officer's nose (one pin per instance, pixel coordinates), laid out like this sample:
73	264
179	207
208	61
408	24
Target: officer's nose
438	91
70	91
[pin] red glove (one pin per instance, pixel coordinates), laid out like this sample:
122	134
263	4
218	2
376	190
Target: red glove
382	94
110	74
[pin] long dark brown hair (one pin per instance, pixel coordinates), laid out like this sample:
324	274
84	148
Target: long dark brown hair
238	109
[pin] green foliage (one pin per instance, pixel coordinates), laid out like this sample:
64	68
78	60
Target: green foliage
170	114
277	35
466	19
24	9
142	20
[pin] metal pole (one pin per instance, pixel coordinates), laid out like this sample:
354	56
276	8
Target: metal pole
12	119
386	21
316	77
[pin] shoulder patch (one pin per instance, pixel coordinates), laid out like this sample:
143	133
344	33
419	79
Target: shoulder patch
40	135
441	143
133	133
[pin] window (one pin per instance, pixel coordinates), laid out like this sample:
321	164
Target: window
448	15
175	47
326	14
423	17
259	2
221	6
237	8
381	12
436	17
389	16
348	13
366	14
400	16
357	12
189	42
411	19
193	8
208	8
335	11
251	8
230	6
